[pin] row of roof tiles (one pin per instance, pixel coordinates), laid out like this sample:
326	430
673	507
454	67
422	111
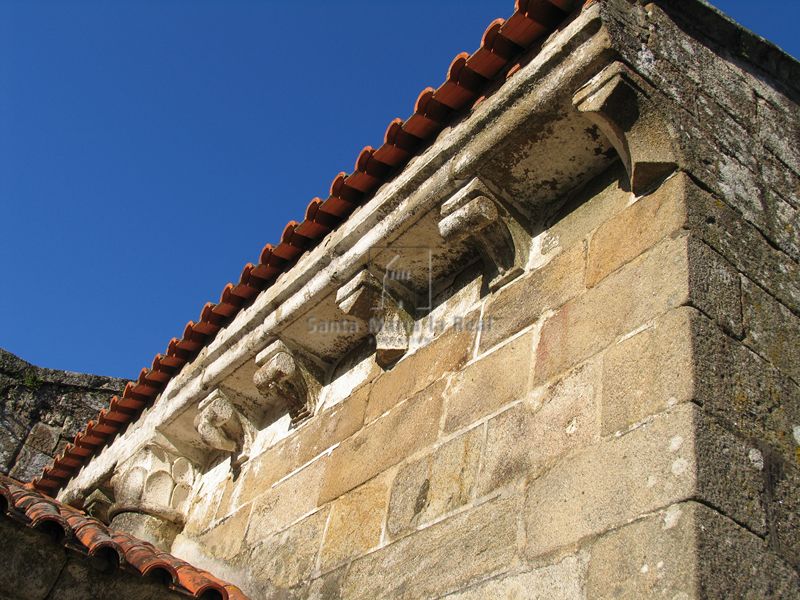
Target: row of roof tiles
88	536
467	78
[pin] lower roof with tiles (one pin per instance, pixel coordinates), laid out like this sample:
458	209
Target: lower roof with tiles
469	79
87	536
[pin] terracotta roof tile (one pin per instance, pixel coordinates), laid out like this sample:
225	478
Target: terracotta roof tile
87	535
467	78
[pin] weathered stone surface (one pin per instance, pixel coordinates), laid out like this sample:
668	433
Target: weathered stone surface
686	551
355	523
652	557
489	383
327	587
591	207
79	580
522	302
227	538
29	464
31	562
150	528
636	229
287	558
287	501
642	290
40	407
407	428
440	559
783	509
43	438
561	581
649	372
730	474
744	391
673	457
415	372
744	246
722	155
432	486
529	437
771	329
316	435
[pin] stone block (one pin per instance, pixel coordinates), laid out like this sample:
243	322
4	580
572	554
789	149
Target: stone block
715	287
436	484
529	437
636	229
522	302
744	246
686	551
649	372
745	391
225	541
599	202
29	463
355	523
328	586
383	443
287	501
783	509
440	559
673	457
43	438
489	383
30	555
415	372
564	580
771	329
677	271
285	559
316	435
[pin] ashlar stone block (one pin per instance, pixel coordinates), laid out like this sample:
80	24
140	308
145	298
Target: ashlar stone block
529	437
673	457
407	428
355	523
489	383
440	559
436	484
686	550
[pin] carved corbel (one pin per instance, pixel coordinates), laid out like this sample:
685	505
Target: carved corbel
620	103
475	215
381	307
285	376
223	427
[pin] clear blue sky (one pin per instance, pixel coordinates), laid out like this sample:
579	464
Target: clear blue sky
148	149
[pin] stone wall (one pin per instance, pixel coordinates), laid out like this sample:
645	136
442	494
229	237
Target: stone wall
42	409
612	411
610	434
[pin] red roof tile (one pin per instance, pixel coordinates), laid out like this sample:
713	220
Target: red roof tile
89	536
467	78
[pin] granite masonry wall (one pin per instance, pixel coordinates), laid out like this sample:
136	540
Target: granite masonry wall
620	421
625	428
41	410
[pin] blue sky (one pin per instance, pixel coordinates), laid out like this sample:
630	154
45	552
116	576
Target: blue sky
148	149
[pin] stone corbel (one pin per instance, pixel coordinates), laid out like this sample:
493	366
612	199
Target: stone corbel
286	377
475	215
152	491
381	307
224	428
620	103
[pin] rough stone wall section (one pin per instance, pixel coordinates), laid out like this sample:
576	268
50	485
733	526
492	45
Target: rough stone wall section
41	409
